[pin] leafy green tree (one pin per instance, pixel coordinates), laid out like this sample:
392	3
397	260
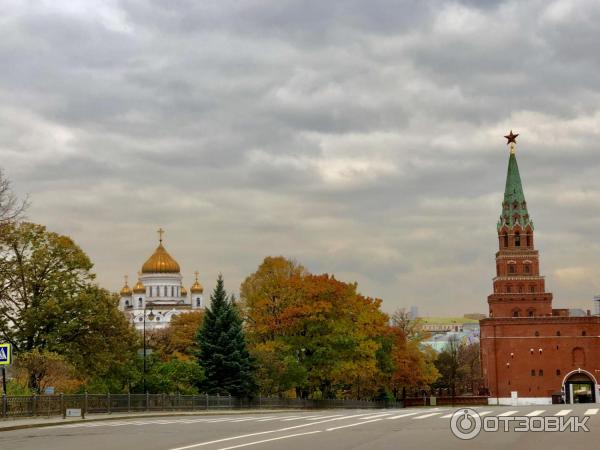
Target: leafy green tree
48	302
228	367
175	376
280	369
47	369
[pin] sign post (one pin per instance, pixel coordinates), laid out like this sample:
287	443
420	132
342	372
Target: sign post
5	360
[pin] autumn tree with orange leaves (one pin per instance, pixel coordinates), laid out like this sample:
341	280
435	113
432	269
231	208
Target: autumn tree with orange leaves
317	337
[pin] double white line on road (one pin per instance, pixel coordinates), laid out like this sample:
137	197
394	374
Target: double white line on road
287	436
259	433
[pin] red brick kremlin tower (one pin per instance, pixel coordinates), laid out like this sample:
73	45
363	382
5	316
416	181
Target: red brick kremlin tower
531	353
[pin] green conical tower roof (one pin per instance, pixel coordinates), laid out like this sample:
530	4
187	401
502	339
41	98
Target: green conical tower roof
514	207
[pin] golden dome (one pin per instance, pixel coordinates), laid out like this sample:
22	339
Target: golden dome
126	290
139	288
196	287
160	261
183	291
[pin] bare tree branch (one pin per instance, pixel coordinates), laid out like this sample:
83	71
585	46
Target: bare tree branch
11	209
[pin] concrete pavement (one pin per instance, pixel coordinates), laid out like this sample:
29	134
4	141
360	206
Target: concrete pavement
291	430
18	423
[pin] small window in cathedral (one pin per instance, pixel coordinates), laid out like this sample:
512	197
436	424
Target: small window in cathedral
583	333
532	289
511	268
530	313
198	301
158	319
509	289
558	333
516	313
505	240
533	372
541	372
528	240
517	240
557	372
527	268
126	302
537	333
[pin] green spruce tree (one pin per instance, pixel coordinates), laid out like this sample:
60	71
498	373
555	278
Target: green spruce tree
228	367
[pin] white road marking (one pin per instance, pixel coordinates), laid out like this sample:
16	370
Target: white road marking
426	416
507	413
270	440
118	424
591	412
327	417
300	418
403	415
375	416
482	413
353	424
241	436
245	419
221	419
535	413
563	412
319	416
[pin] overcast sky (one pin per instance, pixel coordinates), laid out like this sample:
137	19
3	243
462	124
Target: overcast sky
362	138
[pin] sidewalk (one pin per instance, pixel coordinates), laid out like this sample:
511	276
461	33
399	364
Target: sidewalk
20	423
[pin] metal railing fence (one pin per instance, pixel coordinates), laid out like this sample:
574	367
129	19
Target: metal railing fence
56	405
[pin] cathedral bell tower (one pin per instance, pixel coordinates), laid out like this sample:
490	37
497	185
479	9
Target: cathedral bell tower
519	289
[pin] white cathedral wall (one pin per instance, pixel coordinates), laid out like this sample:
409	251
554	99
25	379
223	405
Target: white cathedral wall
161	303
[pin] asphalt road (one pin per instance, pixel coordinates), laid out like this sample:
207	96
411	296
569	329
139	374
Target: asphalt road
416	428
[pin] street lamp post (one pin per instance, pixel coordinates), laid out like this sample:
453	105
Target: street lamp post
151	317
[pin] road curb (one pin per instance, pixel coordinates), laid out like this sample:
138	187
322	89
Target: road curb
135	416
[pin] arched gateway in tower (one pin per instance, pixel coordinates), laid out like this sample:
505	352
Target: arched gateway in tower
530	352
159	294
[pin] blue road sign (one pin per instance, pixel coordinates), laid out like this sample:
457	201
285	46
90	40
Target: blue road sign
5	354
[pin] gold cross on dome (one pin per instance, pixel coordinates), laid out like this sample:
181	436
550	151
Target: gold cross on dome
126	278
196	273
160	234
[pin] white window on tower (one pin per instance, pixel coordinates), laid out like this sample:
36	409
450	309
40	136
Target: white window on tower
172	291
198	303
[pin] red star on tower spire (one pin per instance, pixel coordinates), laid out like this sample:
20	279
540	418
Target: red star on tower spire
512	138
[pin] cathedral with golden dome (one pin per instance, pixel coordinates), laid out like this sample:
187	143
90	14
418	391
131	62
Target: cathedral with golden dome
159	293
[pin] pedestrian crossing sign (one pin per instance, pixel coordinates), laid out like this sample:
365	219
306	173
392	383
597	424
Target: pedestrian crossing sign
5	354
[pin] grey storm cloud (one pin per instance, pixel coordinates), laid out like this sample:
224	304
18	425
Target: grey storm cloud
361	138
